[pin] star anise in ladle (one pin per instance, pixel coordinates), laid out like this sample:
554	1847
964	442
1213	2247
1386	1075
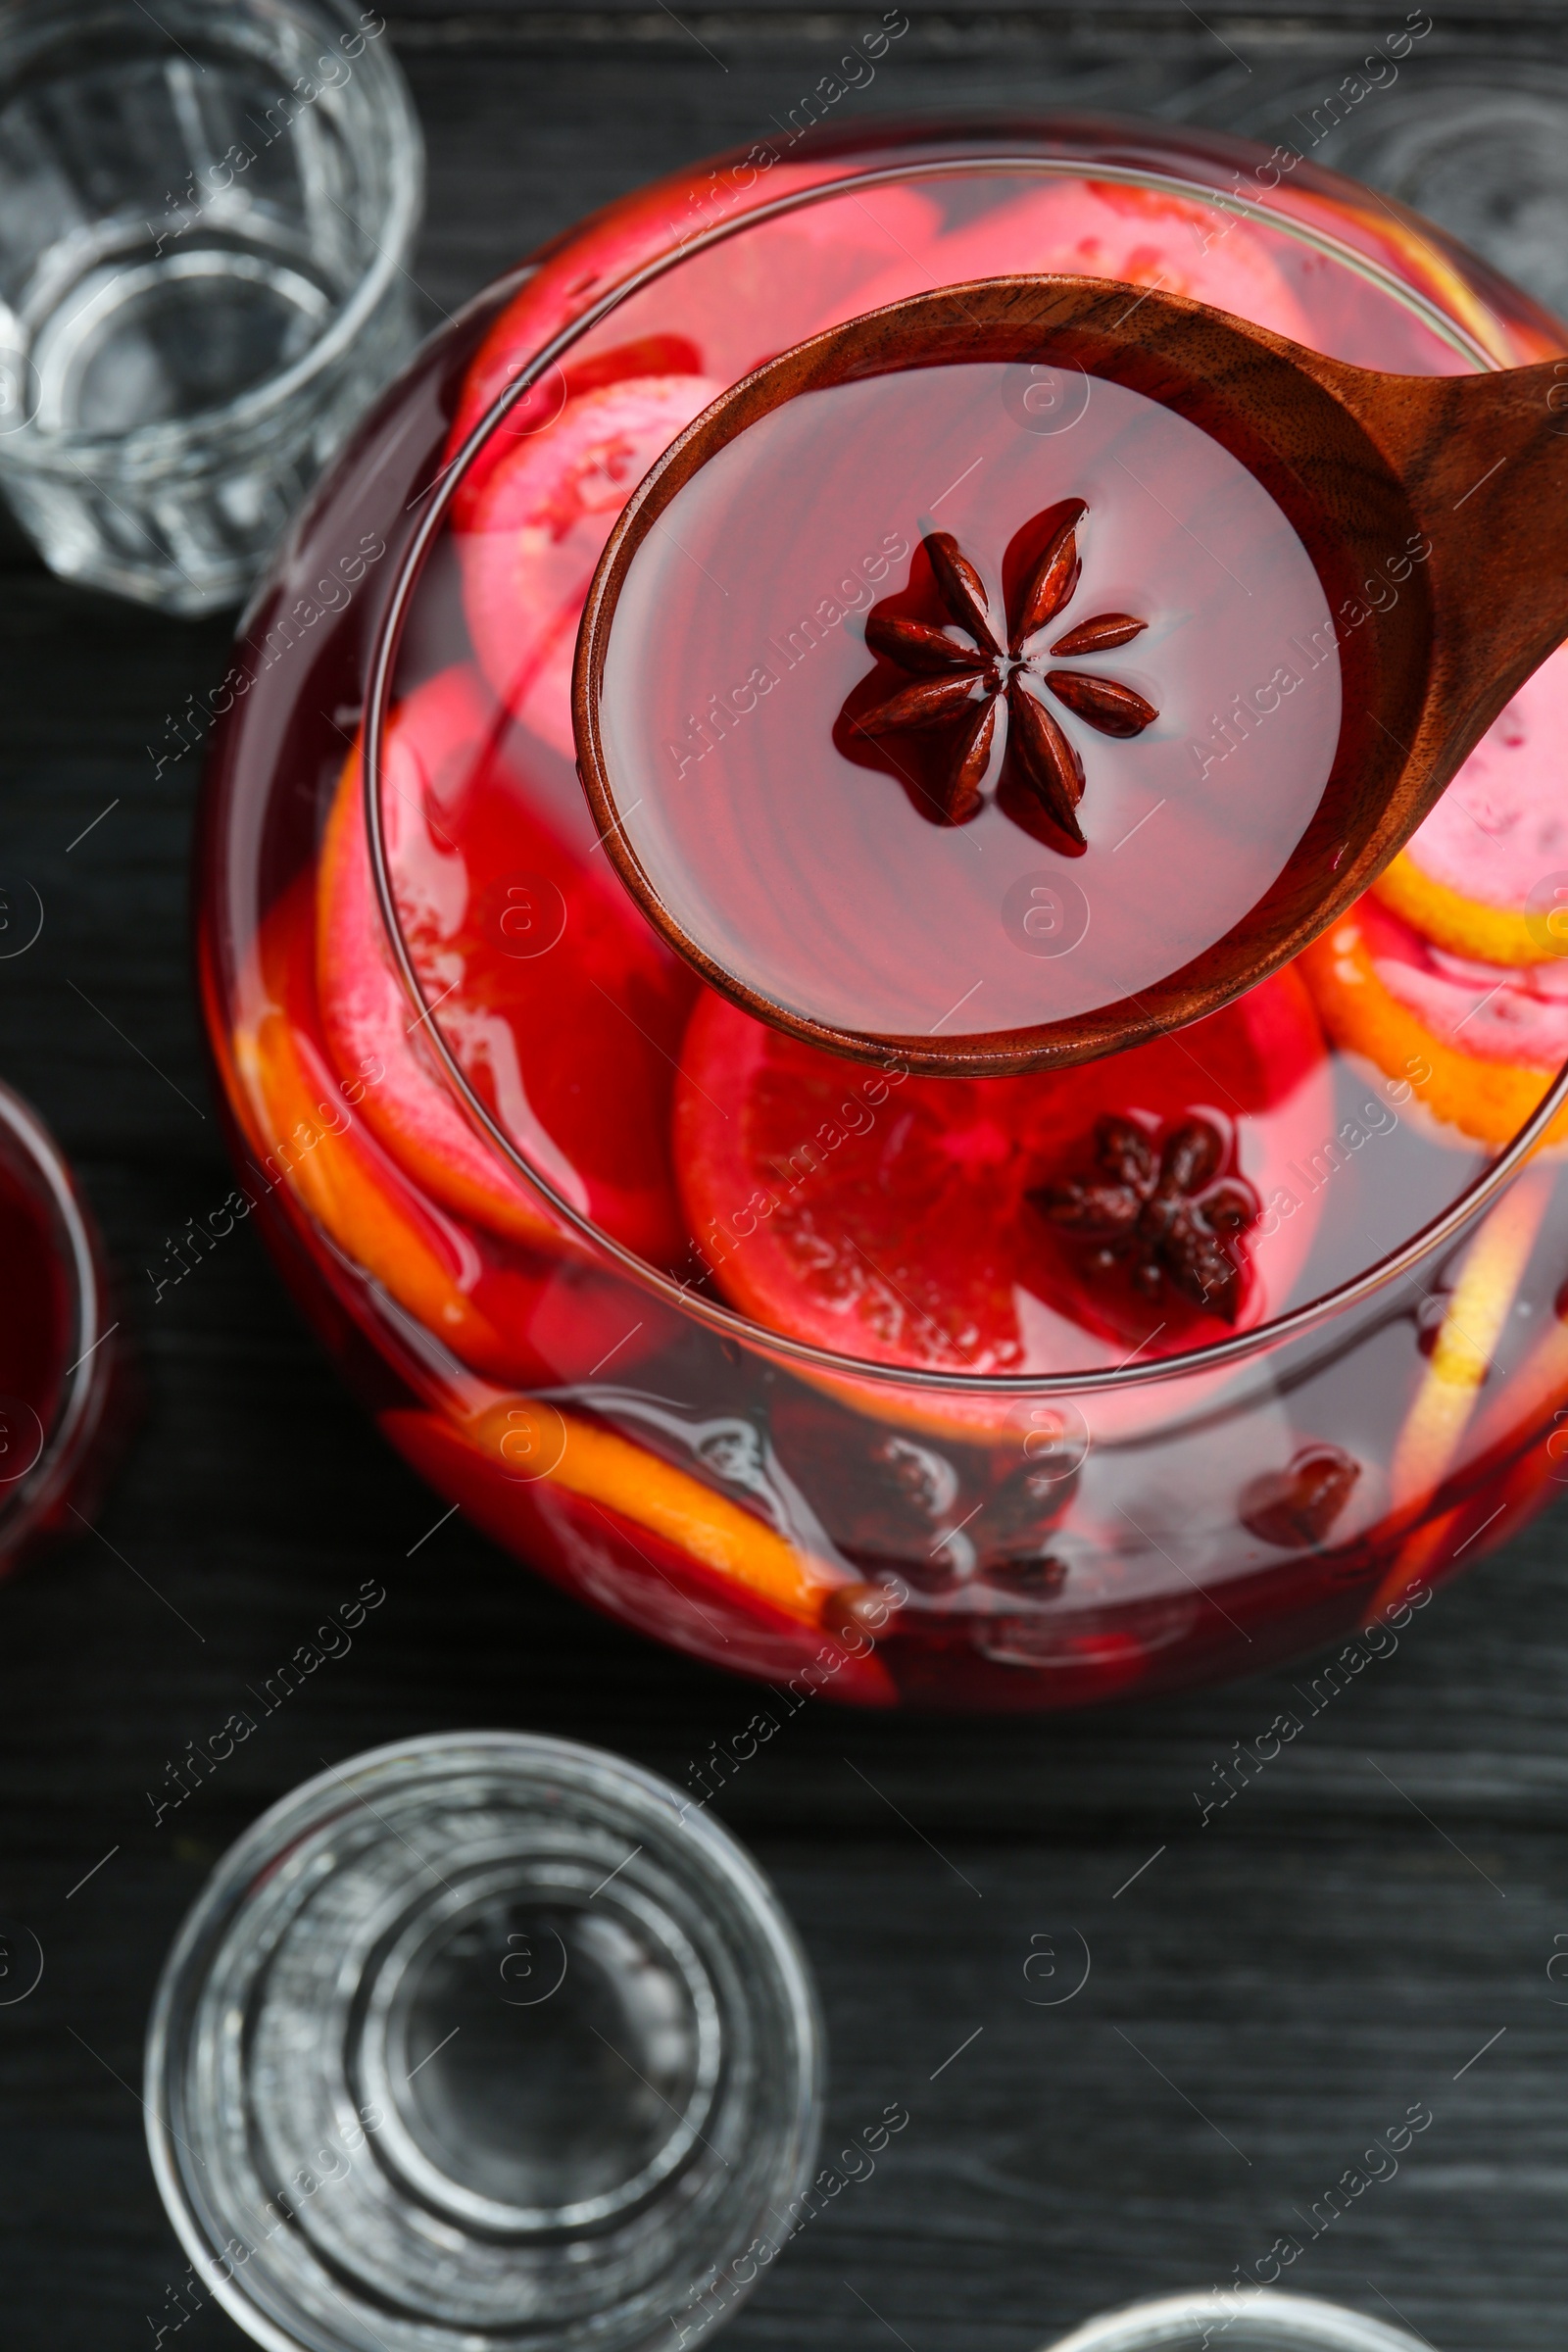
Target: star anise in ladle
963	680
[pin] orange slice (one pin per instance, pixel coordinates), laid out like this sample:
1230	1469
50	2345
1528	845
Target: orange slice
564	1008
728	1542
1478	877
309	1132
719	313
1386	993
514	1315
1138	236
1468	1339
530	537
909	1220
719	1558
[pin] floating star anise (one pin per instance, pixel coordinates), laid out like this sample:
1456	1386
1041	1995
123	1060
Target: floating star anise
1161	1215
959	685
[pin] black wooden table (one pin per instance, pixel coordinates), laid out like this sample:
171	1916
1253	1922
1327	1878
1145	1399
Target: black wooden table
1368	1930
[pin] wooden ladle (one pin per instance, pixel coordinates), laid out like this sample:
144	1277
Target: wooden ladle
1359	463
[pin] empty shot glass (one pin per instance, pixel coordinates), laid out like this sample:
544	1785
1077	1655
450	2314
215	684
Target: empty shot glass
1235	2319
1479	145
205	214
483	2040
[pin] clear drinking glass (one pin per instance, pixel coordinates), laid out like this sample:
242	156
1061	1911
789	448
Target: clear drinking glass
1241	2321
1478	146
205	217
480	2039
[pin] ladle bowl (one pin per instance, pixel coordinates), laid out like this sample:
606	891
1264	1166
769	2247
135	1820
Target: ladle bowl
1471	469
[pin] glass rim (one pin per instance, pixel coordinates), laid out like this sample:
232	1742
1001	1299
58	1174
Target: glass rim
398	123
250	1861
728	1321
1292	2322
75	1413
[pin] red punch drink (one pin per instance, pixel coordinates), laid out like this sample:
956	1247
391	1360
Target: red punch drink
57	1349
931	698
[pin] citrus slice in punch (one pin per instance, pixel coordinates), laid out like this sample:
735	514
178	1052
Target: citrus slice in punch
1049	1223
1487	875
562	1009
718	313
533	512
528	542
511	1314
704	1574
313	1147
1140	236
1477	1042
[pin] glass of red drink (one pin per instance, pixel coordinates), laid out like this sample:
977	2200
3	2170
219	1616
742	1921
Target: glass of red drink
964	1391
57	1351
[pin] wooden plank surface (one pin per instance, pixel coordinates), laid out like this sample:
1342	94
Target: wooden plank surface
1266	1992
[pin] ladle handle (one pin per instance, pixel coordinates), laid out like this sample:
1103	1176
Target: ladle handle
1483	460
